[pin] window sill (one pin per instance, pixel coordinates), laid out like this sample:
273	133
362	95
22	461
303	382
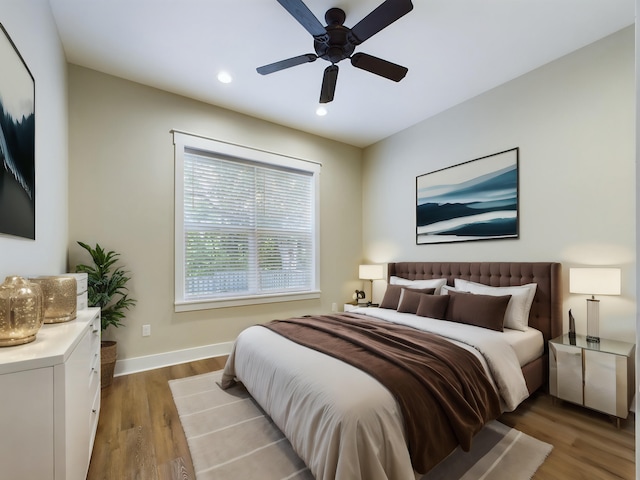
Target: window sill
190	305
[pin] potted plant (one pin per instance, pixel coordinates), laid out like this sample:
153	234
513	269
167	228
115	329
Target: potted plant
107	289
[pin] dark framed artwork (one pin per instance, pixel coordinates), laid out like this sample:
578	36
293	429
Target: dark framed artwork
475	200
17	142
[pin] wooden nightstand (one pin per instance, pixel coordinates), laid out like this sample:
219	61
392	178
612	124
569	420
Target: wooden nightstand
600	376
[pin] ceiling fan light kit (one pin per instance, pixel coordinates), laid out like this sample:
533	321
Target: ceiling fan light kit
335	42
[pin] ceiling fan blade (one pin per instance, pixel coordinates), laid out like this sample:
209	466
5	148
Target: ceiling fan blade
304	16
379	66
288	63
329	84
383	16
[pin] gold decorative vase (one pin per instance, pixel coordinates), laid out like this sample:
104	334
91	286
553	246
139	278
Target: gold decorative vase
59	298
21	311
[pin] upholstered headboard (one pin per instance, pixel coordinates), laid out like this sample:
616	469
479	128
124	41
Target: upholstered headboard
546	311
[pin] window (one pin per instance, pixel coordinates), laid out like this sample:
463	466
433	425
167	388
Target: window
246	225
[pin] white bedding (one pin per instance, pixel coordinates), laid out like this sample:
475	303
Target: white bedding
344	424
527	345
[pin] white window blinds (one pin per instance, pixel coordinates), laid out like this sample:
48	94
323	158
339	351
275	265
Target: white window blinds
248	228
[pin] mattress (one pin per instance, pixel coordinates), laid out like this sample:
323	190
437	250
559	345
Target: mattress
528	345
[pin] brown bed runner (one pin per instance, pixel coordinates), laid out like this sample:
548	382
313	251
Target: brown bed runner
443	391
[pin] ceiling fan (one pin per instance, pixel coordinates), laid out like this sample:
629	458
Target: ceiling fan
335	42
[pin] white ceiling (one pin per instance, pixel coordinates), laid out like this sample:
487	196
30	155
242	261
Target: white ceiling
454	50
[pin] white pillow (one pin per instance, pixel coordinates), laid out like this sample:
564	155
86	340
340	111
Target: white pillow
517	315
436	283
446	289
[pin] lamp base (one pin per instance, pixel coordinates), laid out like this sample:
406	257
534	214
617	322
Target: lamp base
593	320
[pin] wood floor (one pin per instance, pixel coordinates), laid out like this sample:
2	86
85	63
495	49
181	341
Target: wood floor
140	436
587	444
139	433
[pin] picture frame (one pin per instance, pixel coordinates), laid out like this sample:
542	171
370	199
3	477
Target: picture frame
474	200
17	142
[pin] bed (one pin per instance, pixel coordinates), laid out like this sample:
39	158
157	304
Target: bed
343	422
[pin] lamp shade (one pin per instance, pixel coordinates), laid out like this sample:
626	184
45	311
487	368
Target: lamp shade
594	281
371	272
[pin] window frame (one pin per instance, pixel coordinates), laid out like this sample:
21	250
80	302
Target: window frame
184	143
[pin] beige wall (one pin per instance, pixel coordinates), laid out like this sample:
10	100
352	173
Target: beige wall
121	195
31	27
573	120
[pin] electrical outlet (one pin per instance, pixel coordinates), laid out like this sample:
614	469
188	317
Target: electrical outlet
146	330
334	307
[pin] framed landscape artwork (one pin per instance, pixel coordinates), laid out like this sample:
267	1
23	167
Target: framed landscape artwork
475	200
17	143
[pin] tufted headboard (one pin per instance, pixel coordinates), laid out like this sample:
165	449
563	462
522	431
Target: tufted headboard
546	311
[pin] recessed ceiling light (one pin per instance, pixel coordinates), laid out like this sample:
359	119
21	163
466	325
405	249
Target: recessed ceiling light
224	77
321	111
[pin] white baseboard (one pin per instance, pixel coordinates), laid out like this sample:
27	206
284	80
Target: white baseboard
150	362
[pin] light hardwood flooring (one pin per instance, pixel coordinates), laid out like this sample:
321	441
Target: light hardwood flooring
140	436
587	444
139	433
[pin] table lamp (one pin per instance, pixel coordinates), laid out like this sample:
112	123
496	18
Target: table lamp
594	281
371	273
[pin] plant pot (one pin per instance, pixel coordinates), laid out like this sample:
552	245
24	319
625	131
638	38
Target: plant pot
108	354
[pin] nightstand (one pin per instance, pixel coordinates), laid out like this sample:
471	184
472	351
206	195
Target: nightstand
599	376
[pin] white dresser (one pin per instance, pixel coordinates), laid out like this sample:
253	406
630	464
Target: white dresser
50	401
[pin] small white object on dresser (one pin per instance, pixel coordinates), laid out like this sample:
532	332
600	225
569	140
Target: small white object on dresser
82	281
50	401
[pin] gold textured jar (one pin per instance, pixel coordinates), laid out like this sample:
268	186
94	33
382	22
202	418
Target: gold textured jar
59	298
21	311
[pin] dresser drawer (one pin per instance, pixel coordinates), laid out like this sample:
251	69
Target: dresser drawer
94	415
95	332
94	374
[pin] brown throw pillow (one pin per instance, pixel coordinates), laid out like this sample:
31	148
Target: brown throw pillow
485	311
410	299
433	306
392	295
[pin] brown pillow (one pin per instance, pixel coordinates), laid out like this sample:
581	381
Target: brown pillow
485	311
410	299
433	306
392	295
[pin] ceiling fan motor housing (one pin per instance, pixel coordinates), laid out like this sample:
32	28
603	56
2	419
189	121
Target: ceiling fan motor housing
336	45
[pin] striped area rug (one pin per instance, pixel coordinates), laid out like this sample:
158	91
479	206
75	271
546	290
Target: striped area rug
230	438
